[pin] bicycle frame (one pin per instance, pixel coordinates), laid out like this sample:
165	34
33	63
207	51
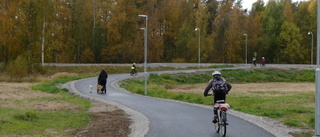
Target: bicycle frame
221	124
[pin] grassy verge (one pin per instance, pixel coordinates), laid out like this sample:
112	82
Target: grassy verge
37	122
291	108
34	122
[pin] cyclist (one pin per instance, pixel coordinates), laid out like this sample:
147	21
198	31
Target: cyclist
133	68
220	88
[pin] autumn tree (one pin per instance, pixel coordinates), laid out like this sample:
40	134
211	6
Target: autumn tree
222	23
253	27
123	43
272	20
236	48
305	20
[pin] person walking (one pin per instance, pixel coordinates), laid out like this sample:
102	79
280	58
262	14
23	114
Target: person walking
102	80
263	62
254	61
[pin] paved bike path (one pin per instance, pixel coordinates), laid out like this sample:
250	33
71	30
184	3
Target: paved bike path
171	118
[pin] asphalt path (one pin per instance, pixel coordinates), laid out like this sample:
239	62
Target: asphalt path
169	118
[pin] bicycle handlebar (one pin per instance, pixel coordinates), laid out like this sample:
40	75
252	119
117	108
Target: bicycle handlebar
209	94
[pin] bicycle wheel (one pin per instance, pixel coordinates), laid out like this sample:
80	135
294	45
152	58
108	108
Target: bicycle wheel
223	124
217	125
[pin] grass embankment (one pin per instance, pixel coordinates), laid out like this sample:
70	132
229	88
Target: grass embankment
292	108
33	121
55	121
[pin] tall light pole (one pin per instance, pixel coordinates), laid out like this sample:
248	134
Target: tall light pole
317	94
42	43
145	52
310	33
246	48
198	29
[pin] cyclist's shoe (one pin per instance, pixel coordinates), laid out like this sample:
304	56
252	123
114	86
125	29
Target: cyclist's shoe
215	119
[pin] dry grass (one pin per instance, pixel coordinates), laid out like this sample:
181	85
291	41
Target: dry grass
11	93
250	87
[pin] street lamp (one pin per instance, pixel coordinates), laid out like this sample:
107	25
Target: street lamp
246	48
310	33
317	94
145	52
198	29
42	43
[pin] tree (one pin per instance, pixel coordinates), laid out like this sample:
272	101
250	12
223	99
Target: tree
234	34
253	27
123	44
292	51
272	20
81	26
222	23
305	19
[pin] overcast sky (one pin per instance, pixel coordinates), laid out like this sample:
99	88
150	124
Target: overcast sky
248	3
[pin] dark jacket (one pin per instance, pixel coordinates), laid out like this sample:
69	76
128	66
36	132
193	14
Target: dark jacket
102	79
209	86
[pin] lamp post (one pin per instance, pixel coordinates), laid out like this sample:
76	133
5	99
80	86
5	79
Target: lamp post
310	33
145	52
246	48
42	43
317	94
198	29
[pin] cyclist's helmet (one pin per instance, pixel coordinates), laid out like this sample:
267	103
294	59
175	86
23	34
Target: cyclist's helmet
134	63
216	73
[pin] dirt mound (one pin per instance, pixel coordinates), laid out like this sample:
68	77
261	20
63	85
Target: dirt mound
106	121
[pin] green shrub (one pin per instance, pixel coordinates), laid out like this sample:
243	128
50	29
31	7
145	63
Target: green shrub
18	68
178	60
221	66
29	115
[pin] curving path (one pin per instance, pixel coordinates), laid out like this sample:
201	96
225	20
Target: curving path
168	118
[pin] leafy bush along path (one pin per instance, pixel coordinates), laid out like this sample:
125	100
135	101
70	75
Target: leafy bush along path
25	112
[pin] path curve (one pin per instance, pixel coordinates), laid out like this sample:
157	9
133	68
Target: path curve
143	119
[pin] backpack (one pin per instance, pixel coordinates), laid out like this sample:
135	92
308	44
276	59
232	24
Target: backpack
219	85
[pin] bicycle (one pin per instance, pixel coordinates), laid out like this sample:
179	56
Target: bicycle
221	124
133	71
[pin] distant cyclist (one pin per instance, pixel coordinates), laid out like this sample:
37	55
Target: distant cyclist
133	68
220	88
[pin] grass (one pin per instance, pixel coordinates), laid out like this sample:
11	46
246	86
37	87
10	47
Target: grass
221	66
269	75
16	122
291	108
294	109
31	122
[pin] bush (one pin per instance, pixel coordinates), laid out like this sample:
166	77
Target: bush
179	60
18	68
27	116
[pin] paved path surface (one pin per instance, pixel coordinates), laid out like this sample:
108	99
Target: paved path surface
170	118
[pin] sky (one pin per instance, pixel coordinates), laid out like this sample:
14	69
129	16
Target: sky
248	3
